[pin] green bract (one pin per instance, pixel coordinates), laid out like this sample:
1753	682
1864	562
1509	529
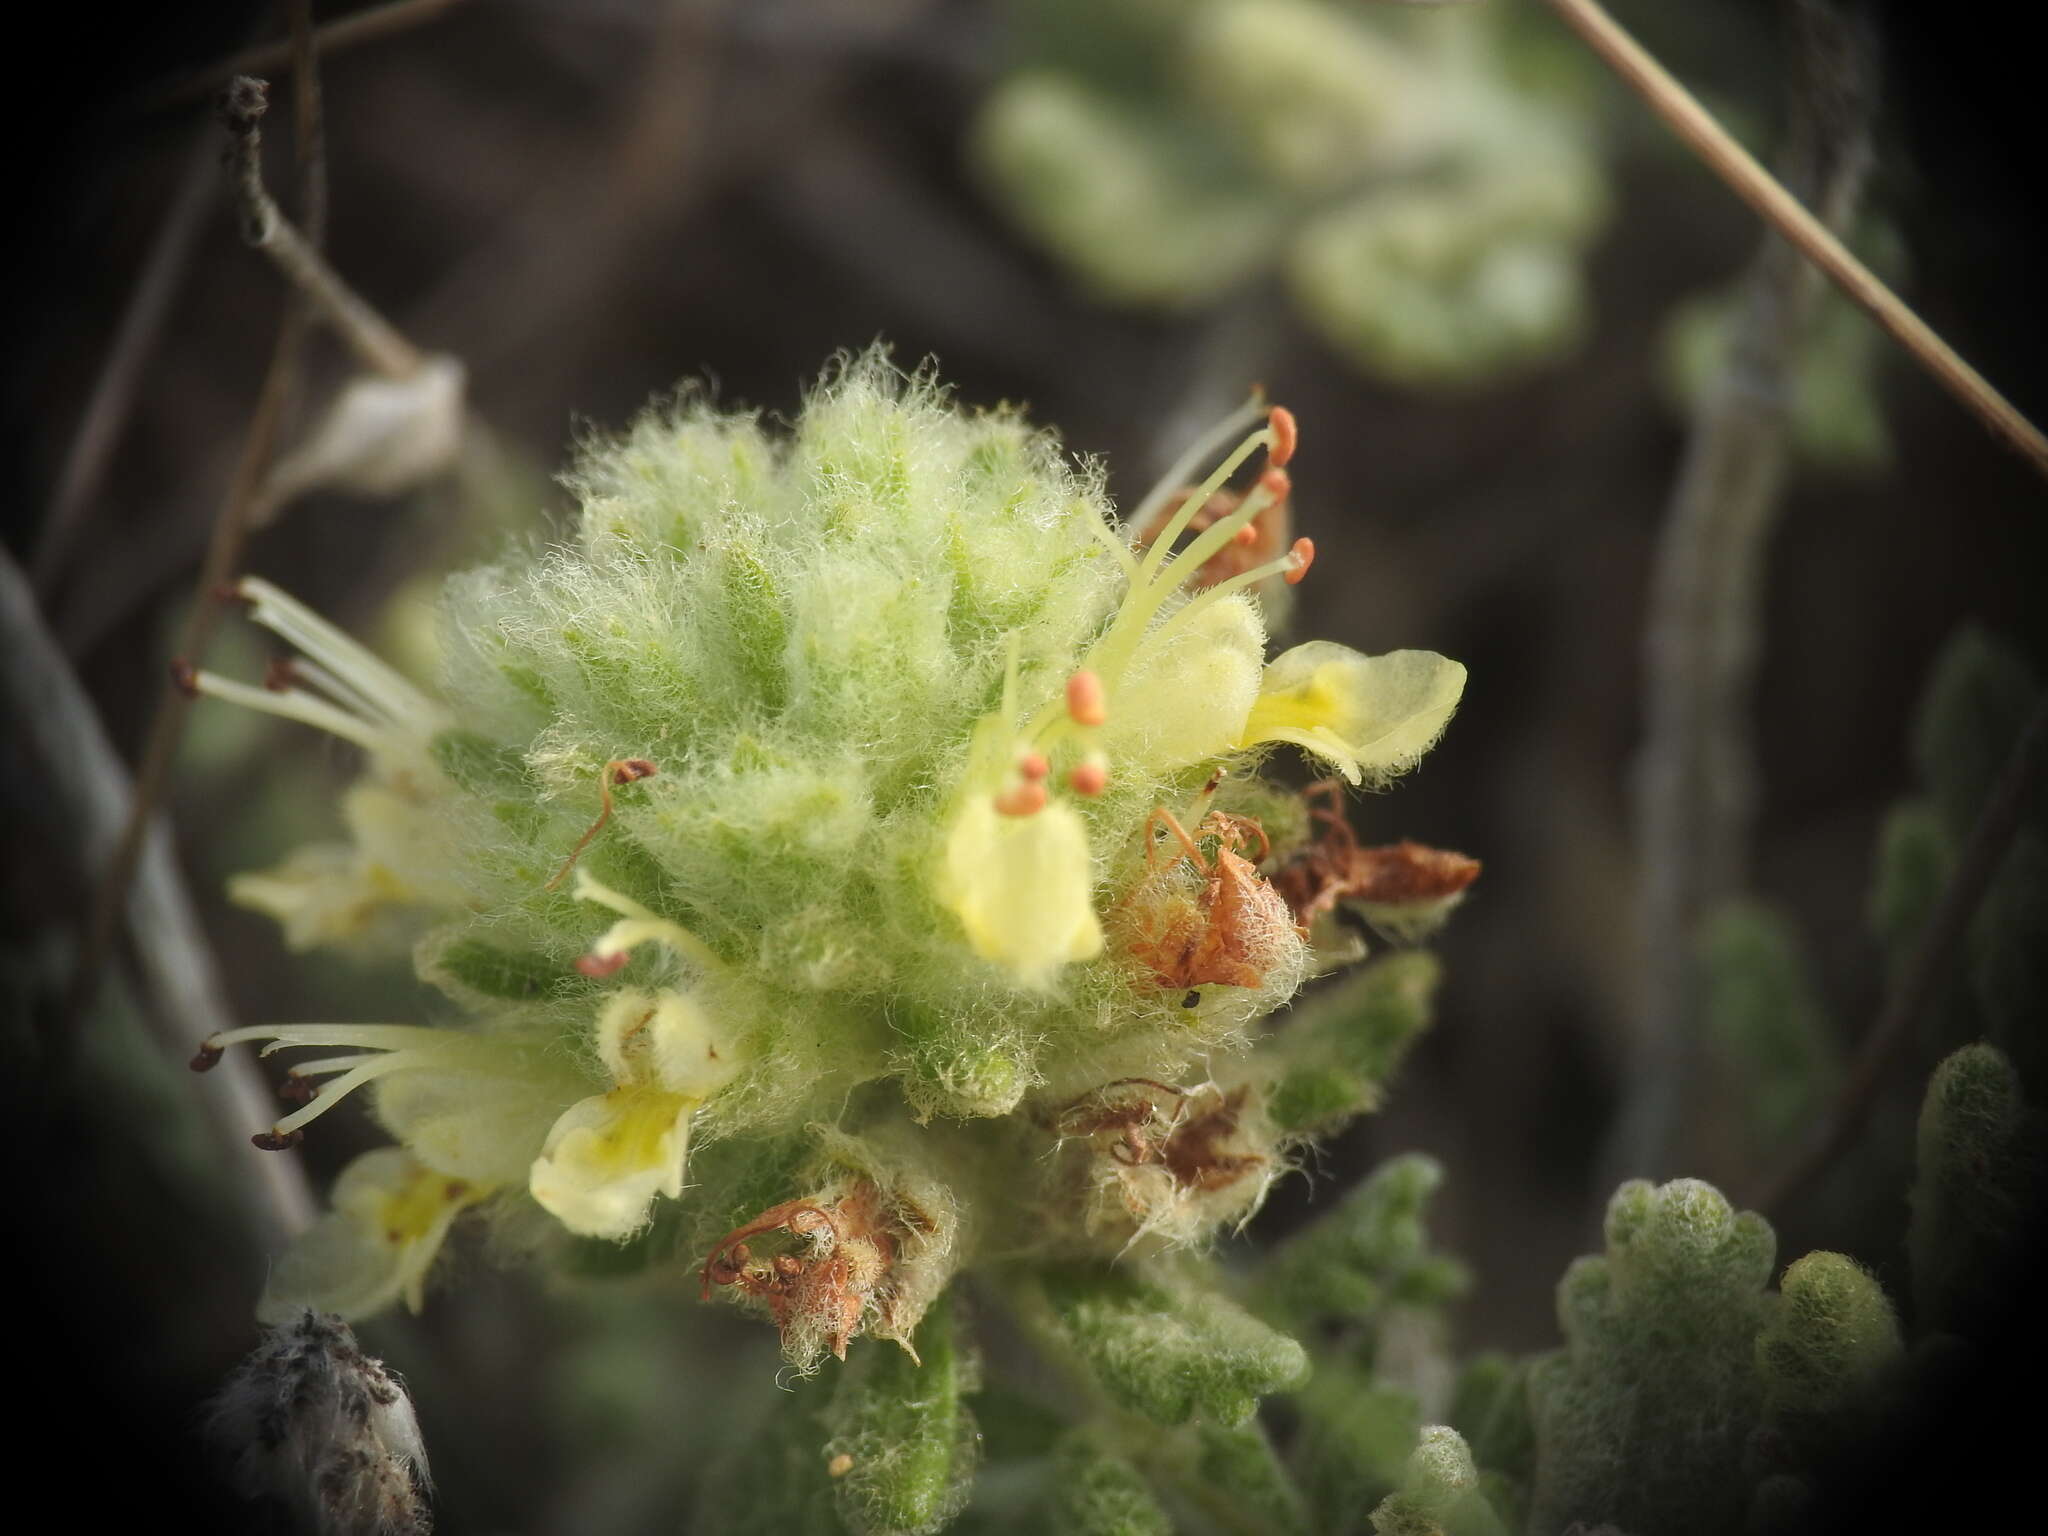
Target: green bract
842	821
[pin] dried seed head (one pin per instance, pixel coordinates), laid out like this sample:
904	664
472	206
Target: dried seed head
311	1423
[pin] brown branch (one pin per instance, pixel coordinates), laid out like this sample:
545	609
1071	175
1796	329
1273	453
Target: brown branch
377	345
2017	783
238	511
346	32
1783	212
113	392
1695	778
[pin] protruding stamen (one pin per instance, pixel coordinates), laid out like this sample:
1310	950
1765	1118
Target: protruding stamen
208	1056
1286	434
277	1141
1304	556
297	1087
1033	766
1199	452
280	676
184	677
1086	703
295	704
1090	776
365	675
1026	799
637	926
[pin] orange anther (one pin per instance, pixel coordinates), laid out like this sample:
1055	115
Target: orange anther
1033	766
1090	777
597	969
1304	557
1248	534
1085	699
1276	483
1022	800
1280	421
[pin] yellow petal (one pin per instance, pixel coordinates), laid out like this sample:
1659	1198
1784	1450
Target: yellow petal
1371	717
1022	887
1188	689
665	1038
390	1215
608	1157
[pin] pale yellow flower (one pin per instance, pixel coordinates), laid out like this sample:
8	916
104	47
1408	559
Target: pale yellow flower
390	1214
1022	887
608	1157
1370	717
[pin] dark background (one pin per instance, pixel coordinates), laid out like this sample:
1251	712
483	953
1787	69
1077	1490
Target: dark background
520	183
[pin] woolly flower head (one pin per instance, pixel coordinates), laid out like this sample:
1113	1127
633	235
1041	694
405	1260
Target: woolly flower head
837	779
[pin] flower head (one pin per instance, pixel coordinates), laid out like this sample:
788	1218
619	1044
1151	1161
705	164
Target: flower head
808	798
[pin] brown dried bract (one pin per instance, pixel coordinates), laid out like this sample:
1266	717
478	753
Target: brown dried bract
1335	868
1228	933
847	1250
1188	1142
1259	541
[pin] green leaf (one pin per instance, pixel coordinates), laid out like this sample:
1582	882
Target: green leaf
1098	1493
909	1442
1169	1353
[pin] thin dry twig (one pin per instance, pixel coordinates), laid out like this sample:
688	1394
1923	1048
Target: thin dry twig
113	392
177	972
1696	776
346	32
238	511
377	345
1785	213
2017	784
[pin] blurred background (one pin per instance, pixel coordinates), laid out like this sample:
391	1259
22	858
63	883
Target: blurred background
1489	286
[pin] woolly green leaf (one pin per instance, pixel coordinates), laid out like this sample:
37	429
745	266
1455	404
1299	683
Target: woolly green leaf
911	1442
480	765
1337	1050
1491	1409
1763	1012
1644	1419
1238	1478
2009	959
490	970
1974	707
1825	1353
1171	1354
1368	1252
1914	857
774	1483
1979	1185
1098	1493
1354	1443
1439	1493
